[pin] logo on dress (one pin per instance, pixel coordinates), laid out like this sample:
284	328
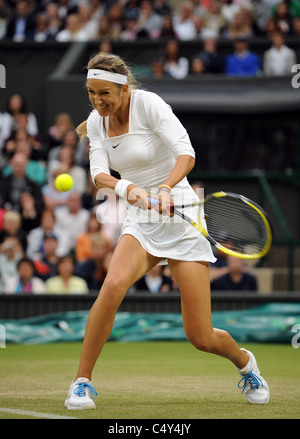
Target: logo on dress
115	146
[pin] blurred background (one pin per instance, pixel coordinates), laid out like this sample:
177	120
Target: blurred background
229	71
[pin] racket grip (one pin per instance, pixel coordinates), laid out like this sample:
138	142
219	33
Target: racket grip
154	201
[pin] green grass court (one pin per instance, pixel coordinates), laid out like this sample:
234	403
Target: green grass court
147	380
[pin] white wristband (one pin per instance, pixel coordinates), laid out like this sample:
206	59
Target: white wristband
121	188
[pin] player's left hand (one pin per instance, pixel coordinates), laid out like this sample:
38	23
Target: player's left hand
164	206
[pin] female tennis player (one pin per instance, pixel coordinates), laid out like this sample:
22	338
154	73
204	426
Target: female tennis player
136	133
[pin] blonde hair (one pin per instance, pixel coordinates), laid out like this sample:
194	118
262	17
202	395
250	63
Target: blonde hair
111	63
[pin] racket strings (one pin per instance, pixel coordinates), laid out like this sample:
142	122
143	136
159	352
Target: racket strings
235	224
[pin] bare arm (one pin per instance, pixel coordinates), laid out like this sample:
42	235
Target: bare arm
103	180
135	195
183	166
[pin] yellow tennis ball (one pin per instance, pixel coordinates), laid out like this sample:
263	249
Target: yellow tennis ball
64	182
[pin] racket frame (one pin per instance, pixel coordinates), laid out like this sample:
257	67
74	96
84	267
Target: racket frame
202	229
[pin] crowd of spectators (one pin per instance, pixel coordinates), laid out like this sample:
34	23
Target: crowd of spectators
82	20
60	242
203	20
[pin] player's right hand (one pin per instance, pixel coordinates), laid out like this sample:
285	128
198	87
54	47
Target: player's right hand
137	197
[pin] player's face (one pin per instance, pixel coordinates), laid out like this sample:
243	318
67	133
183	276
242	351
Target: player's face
106	97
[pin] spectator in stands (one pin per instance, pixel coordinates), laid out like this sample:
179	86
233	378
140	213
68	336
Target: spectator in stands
237	278
41	31
36	237
242	62
16	105
149	23
154	281
262	13
197	66
65	8
10	253
129	32
270	28
83	249
20	25
35	170
116	20
21	133
88	26
241	25
158	68
167	29
98	9
69	139
72	218
220	267
30	216
62	124
5	13
201	31
94	269
11	187
54	21
283	18
279	59
163	8
25	282
176	66
54	199
183	23
214	19
105	46
296	26
71	31
46	267
12	223
200	7
212	59
67	162
65	282
229	9
104	29
131	9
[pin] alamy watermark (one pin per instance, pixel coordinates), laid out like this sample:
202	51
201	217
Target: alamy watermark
296	338
296	78
109	211
2	337
2	76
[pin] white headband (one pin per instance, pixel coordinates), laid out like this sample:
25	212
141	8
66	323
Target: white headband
107	76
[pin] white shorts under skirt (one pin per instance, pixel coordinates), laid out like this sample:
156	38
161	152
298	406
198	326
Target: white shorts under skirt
169	238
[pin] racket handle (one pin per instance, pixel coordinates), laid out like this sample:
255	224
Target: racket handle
154	201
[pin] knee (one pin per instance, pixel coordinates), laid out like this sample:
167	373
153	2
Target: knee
210	341
202	342
113	289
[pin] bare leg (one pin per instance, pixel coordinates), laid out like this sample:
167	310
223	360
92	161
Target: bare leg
129	262
193	281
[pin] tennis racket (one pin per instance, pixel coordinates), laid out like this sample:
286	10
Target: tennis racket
232	223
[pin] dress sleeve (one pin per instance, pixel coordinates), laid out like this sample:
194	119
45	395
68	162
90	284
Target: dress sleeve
99	160
168	127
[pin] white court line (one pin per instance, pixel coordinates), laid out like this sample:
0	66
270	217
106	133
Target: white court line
34	414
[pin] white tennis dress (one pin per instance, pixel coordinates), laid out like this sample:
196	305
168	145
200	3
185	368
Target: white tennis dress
146	156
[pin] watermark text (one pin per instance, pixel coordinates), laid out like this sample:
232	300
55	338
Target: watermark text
2	76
